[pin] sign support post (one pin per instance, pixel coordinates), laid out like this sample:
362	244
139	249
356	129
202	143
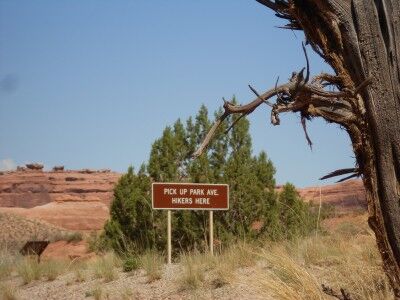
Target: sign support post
169	246
211	232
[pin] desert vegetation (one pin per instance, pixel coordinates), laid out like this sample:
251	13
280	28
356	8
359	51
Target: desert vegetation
256	209
16	230
345	257
358	39
269	244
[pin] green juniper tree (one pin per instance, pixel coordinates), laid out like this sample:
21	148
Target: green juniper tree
251	183
295	217
253	200
131	220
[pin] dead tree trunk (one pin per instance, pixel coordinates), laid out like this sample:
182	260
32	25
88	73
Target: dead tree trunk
360	39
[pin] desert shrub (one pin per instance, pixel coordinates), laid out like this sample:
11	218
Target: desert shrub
98	243
74	237
130	225
295	216
69	237
130	262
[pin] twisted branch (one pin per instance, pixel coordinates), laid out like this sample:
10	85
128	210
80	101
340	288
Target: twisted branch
297	95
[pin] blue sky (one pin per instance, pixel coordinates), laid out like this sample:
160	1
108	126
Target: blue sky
91	84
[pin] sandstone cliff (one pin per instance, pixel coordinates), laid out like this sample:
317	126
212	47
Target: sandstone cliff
75	200
80	200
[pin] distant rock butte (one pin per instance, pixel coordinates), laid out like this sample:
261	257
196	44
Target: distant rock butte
30	188
80	200
348	196
74	200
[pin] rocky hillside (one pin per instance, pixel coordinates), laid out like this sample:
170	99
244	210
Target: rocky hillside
28	188
348	196
79	200
75	200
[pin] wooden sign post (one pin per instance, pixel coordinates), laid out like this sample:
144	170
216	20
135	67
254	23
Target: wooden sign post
189	196
211	220
169	237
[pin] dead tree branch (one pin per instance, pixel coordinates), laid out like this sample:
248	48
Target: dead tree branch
297	95
341	172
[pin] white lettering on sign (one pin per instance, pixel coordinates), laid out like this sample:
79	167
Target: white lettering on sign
212	193
202	201
169	191
181	201
196	192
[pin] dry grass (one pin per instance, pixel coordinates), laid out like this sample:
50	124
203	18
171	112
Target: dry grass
284	278
347	258
96	293
235	257
7	292
194	269
126	294
16	230
53	268
7	262
80	275
68	236
152	263
220	269
296	270
29	269
105	267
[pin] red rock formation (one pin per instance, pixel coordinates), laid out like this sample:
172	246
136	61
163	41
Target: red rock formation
75	200
64	251
31	188
348	196
34	166
79	200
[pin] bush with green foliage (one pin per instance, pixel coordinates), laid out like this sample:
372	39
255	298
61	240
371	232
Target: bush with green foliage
130	262
135	226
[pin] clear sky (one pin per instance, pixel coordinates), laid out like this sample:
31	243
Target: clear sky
91	84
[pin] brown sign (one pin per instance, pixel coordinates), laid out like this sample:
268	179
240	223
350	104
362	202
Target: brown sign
196	196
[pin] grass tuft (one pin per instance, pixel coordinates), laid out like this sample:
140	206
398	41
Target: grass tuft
152	263
7	261
7	292
126	294
104	267
29	269
52	269
80	275
96	293
194	268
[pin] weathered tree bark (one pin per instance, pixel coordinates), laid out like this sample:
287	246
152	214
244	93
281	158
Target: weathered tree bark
360	39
